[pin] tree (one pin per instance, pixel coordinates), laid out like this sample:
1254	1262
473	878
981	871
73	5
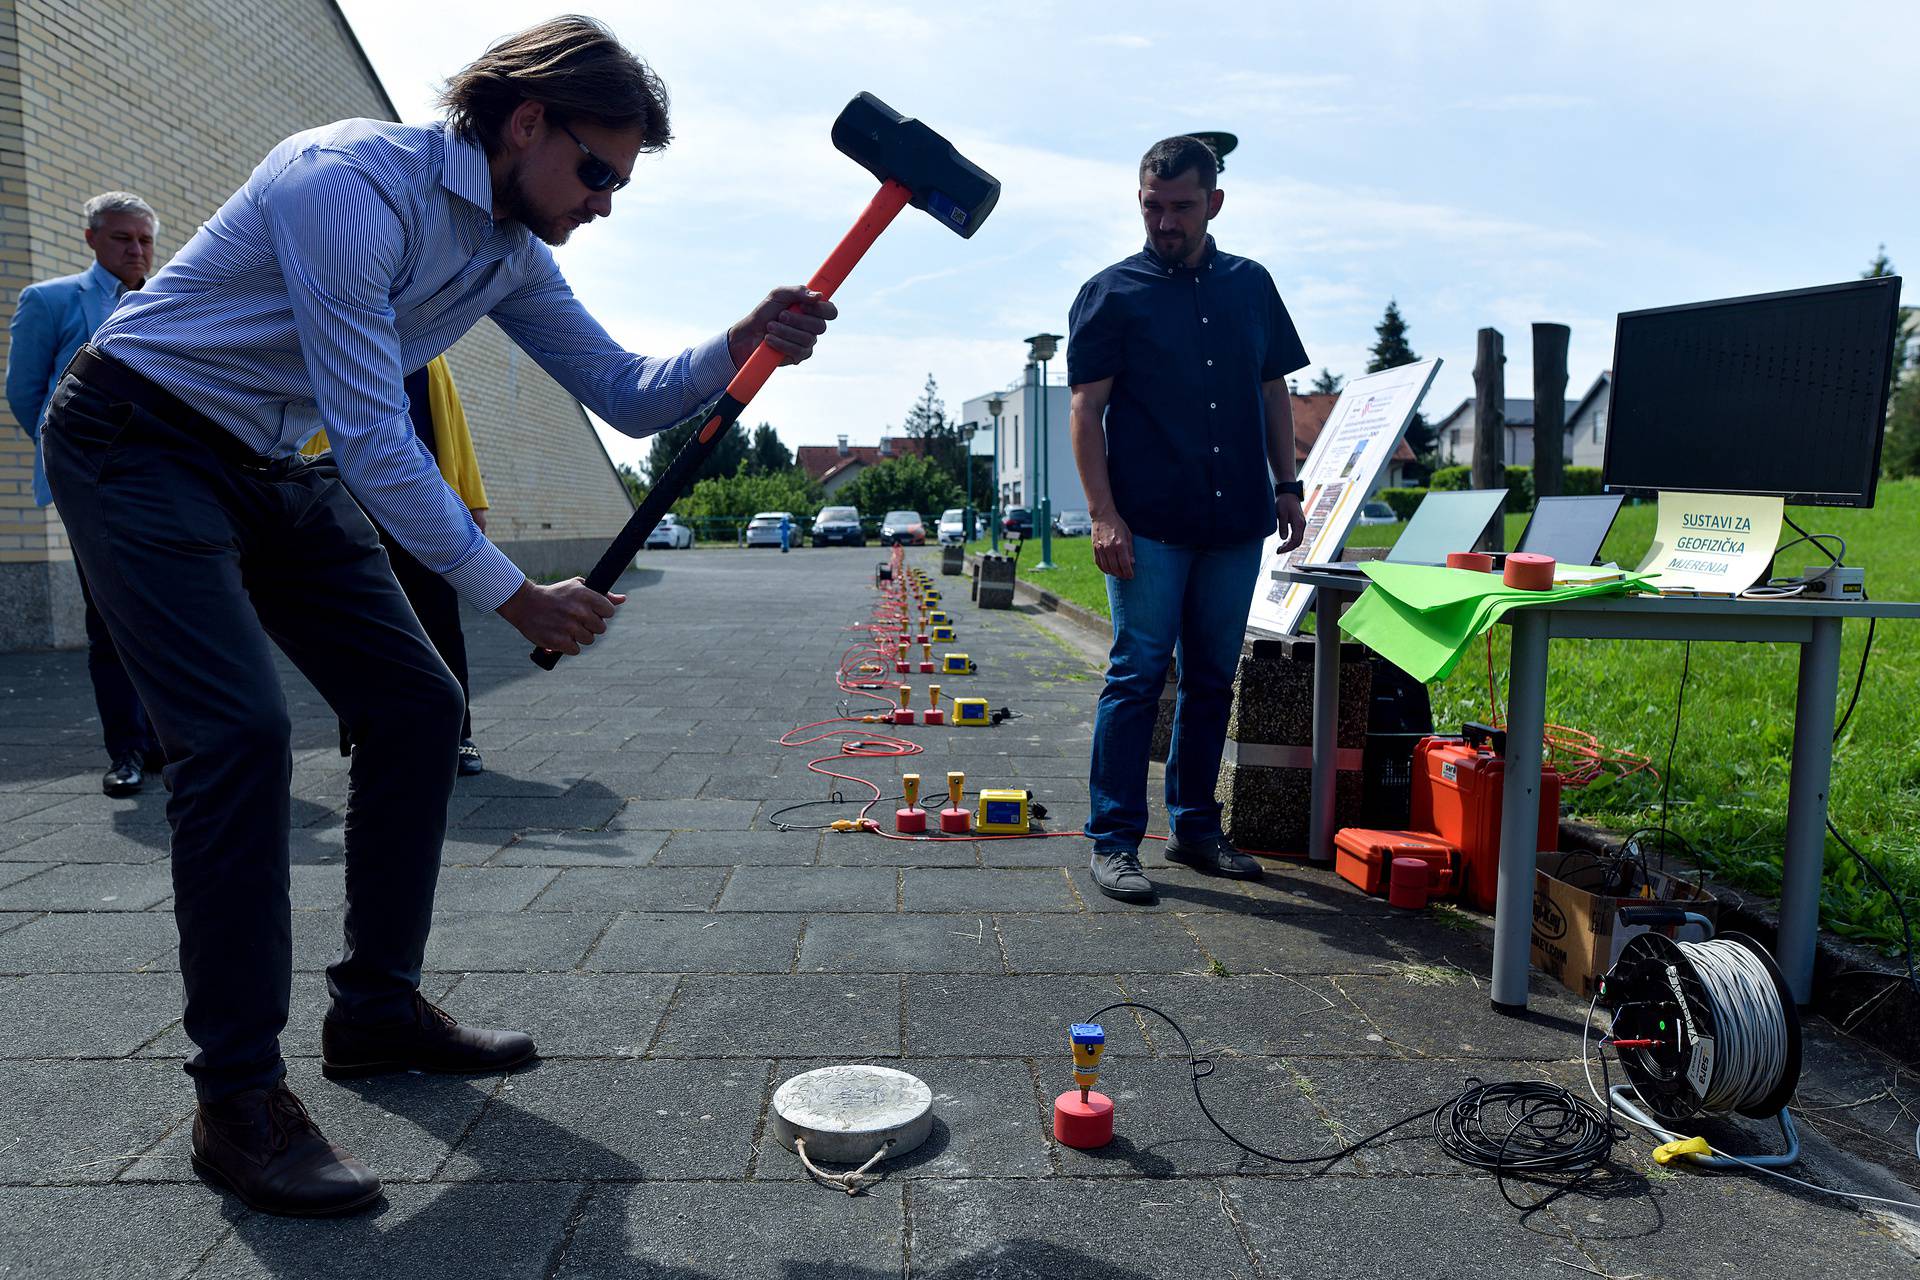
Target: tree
1327	384
636	487
940	437
1391	350
742	494
1900	452
767	455
727	455
906	483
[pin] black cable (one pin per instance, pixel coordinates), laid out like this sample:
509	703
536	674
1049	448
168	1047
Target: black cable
1859	679
1815	538
1549	1130
1886	886
1666	774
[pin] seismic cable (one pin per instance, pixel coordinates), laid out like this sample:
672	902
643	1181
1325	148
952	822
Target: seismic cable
1516	1129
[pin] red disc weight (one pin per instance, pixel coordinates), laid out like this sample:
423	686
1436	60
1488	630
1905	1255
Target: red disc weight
1085	1125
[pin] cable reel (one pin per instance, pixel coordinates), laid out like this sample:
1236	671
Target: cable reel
1702	1028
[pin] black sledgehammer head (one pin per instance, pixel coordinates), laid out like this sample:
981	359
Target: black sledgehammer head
945	183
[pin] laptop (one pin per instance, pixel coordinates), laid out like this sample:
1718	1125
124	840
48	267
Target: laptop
1447	520
1571	530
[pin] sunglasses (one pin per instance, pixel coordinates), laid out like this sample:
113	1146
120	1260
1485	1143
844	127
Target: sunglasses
595	174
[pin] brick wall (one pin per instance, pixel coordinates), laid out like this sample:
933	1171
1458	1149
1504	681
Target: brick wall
177	102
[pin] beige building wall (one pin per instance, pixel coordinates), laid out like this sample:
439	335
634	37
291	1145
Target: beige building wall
177	100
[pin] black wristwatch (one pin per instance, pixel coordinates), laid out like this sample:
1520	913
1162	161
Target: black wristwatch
1292	488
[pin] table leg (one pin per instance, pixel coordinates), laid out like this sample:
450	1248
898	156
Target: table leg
1804	857
1520	810
1326	724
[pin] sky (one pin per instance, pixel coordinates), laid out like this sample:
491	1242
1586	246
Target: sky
1483	164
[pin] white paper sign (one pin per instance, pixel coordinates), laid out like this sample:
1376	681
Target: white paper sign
1715	544
1366	426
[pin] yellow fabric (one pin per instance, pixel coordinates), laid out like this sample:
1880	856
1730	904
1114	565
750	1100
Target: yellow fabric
452	442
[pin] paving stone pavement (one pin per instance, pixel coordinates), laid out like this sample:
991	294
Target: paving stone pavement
617	885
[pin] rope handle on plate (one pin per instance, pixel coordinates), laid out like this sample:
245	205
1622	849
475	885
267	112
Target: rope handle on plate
853	1181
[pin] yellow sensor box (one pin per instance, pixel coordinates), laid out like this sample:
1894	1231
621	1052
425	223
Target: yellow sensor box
1002	813
971	711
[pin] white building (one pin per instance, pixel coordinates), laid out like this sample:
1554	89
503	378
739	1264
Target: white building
1585	443
1023	414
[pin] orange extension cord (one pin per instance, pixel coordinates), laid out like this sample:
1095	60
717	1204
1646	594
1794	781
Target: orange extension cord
1576	755
863	664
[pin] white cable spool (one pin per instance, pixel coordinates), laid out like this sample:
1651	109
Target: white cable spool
852	1115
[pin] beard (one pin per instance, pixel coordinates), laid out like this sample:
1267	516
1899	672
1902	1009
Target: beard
520	208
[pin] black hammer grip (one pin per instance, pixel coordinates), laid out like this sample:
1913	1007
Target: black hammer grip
665	492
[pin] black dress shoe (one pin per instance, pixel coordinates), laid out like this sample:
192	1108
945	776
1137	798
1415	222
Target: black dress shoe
431	1040
264	1147
125	778
470	765
1215	856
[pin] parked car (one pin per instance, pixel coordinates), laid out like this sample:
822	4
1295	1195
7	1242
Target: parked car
903	527
670	534
839	525
764	529
1073	524
1017	520
1376	513
953	526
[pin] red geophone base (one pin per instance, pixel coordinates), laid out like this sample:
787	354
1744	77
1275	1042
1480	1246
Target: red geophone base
1086	1125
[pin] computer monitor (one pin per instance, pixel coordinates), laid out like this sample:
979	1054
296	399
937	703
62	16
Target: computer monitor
1570	528
1446	520
1779	393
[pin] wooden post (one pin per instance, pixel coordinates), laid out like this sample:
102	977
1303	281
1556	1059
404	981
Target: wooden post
1549	408
1490	425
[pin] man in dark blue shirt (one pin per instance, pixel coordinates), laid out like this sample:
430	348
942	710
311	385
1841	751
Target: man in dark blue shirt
1178	358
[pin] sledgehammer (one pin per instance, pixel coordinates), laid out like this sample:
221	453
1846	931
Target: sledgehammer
917	167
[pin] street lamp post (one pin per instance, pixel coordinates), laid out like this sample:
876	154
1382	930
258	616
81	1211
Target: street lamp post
994	405
967	431
1041	347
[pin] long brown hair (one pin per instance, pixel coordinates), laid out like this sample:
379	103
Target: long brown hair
571	64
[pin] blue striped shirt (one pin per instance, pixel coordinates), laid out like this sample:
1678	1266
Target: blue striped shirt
354	254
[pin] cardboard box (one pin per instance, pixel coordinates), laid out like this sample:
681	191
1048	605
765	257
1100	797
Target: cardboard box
1577	930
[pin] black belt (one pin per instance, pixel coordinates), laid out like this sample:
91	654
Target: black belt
117	382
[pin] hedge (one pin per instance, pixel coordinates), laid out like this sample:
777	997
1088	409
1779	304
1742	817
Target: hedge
1403	501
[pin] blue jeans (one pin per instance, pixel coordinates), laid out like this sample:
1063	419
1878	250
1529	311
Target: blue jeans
1190	601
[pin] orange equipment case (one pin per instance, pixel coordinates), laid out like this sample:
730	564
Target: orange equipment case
1364	857
1458	787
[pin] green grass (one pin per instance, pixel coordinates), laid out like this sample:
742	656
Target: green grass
1730	768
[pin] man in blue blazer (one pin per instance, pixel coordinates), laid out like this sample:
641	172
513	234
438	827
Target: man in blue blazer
50	321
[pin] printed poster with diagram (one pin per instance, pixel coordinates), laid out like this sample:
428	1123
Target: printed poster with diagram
1366	426
1713	544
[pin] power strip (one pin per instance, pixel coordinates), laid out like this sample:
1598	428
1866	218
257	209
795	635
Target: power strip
1834	582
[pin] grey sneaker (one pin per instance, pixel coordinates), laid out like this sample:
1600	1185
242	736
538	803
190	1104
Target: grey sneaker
1116	873
1214	856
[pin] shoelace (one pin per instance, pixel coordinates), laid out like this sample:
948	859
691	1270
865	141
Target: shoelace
287	1119
425	1007
1125	862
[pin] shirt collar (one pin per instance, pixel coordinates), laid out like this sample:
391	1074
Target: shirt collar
1173	268
464	171
98	277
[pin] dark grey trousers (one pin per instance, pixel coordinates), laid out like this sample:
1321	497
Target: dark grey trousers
197	556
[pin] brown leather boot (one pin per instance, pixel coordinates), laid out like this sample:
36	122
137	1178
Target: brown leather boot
264	1147
431	1040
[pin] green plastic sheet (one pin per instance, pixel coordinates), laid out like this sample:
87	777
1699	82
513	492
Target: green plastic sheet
1422	618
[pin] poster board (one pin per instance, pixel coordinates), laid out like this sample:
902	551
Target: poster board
1366	426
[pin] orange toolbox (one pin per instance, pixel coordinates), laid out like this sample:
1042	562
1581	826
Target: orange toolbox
1458	787
1363	856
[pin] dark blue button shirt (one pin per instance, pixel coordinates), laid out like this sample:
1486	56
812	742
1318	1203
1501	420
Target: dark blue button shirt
1187	349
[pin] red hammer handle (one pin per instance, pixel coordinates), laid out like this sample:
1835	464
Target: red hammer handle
887	202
